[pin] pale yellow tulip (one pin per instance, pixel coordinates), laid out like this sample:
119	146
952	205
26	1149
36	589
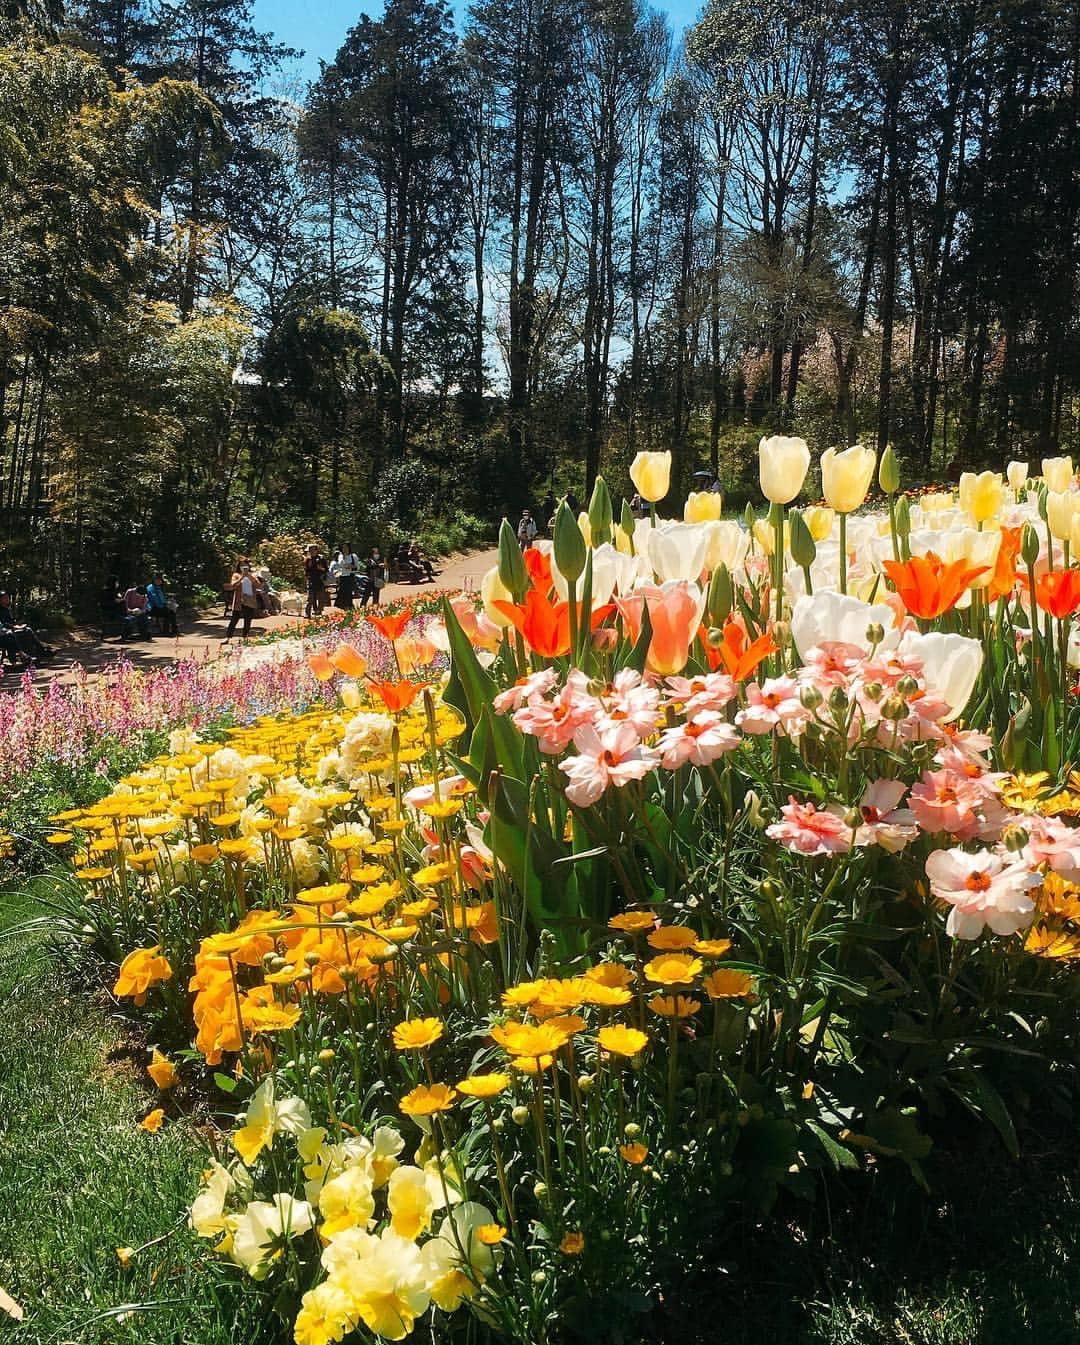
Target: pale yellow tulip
846	475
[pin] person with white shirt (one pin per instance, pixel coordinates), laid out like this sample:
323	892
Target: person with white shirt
344	568
244	587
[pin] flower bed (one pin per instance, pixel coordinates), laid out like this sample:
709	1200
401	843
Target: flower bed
711	870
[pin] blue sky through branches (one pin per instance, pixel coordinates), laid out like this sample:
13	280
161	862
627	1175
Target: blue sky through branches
317	27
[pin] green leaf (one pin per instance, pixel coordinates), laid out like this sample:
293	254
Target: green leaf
226	1084
470	688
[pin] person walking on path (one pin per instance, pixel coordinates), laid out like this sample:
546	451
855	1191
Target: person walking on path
244	587
315	571
374	578
526	530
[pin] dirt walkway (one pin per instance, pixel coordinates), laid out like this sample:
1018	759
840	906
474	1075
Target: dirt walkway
201	638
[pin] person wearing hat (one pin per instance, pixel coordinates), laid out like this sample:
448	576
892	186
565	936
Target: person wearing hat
315	571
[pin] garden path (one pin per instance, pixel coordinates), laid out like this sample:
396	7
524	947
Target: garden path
202	637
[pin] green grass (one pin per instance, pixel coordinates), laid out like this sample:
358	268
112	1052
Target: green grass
78	1178
991	1258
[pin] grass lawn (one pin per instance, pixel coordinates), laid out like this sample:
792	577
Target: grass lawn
992	1258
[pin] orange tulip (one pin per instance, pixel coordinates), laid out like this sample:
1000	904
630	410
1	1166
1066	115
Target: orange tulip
397	696
674	617
321	666
1058	592
1003	580
928	586
391	626
348	660
416	652
538	566
739	658
544	624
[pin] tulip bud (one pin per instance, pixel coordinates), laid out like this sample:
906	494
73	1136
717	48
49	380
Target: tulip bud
512	573
903	517
605	640
600	513
749	518
1029	545
721	596
888	473
569	544
1044	491
628	523
803	549
1017	475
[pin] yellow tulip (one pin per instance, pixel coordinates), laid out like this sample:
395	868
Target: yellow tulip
981	496
820	522
783	462
651	474
1017	473
703	506
1060	509
1057	473
936	503
492	590
846	475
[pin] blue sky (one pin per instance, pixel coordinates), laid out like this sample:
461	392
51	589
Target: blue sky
318	26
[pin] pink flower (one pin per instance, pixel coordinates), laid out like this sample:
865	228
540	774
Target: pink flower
1053	842
629	698
773	704
700	741
712	692
555	722
809	831
947	801
613	755
884	822
983	889
832	663
536	684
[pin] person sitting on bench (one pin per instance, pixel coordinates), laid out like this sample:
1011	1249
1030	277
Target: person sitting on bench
25	639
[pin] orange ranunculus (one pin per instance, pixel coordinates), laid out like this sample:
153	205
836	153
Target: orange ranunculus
321	666
397	696
1003	580
738	658
1058	592
139	971
391	626
538	567
349	660
544	624
928	585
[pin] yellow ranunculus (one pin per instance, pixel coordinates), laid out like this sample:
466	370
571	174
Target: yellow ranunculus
1057	473
783	462
981	496
820	521
651	474
846	475
703	506
1017	473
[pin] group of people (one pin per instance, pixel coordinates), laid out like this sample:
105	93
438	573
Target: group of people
357	580
19	643
138	609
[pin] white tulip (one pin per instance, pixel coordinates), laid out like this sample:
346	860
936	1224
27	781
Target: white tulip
828	617
951	665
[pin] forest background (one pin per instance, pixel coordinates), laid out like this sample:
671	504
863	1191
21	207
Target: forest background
488	254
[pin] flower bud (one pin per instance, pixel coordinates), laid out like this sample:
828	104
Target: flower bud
852	818
752	810
512	573
651	474
888	474
326	1054
895	708
803	547
540	1190
628	524
520	1115
872	691
875	633
781	632
312	959
586	1082
1029	545
600	513
569	544
1014	838
907	686
838	700
605	640
810	697
631	1130
539	1277
903	517
721	597
846	475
